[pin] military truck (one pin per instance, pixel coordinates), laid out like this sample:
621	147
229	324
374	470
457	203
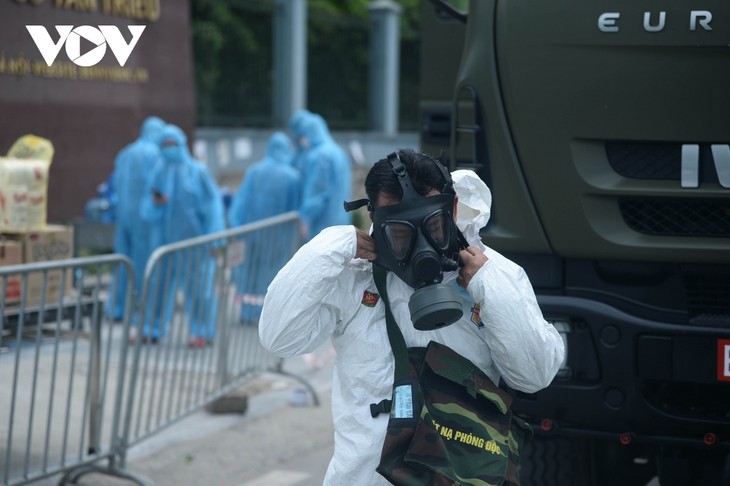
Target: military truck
603	131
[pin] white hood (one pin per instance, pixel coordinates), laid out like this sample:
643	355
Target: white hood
475	202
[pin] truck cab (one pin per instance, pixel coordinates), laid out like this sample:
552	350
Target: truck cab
603	132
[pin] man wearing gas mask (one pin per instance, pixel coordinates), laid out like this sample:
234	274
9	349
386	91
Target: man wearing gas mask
443	285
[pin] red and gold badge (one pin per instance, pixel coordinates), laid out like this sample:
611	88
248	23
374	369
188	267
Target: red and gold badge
475	316
369	299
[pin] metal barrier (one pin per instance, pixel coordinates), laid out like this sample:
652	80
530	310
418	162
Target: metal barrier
76	397
61	370
195	333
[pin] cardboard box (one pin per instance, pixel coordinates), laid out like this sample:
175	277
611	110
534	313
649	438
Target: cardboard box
11	253
55	242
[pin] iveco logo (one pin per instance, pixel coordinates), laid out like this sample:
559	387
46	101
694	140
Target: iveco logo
698	19
691	164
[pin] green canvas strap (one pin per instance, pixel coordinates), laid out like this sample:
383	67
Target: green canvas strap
397	343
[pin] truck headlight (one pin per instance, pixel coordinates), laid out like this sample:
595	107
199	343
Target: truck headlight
564	328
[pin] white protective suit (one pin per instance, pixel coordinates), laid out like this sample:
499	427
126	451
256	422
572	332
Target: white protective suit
321	294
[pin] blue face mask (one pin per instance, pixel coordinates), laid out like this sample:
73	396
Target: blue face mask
173	153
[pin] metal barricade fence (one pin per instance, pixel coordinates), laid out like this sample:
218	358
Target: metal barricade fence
61	369
197	334
78	396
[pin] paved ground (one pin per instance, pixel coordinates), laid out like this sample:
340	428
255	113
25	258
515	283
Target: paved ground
275	444
281	440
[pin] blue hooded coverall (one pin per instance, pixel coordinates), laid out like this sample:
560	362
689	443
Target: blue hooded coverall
270	187
326	177
296	123
194	207
132	167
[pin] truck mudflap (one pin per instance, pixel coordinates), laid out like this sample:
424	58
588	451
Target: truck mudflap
633	380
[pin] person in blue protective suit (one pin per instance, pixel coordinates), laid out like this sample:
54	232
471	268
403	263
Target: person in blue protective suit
103	207
326	177
270	187
296	124
182	201
132	167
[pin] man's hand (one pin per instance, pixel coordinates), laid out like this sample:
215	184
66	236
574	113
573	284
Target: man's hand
158	197
473	259
365	246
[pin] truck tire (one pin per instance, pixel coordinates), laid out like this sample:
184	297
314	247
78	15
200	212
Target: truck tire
552	461
564	461
629	465
679	466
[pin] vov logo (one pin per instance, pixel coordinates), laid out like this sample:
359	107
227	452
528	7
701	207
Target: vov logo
71	38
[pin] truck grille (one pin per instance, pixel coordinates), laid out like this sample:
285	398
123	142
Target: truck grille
672	217
708	298
691	400
657	161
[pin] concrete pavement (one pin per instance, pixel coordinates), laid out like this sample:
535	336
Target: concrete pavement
278	441
274	444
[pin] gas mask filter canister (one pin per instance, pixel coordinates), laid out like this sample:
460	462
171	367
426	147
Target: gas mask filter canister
418	240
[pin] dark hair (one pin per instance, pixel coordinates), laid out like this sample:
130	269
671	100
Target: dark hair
421	168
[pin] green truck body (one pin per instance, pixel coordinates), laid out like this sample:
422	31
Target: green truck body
603	132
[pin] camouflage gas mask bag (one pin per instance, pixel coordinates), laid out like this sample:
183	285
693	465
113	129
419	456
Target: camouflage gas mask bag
449	423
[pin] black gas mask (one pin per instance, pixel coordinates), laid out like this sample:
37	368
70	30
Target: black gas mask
418	240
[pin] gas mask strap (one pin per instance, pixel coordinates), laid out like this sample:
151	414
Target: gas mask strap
353	205
449	186
403	178
461	238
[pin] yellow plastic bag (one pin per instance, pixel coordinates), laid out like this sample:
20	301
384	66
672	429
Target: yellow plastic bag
32	147
24	184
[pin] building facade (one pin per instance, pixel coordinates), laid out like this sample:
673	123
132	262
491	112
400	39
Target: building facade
85	75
